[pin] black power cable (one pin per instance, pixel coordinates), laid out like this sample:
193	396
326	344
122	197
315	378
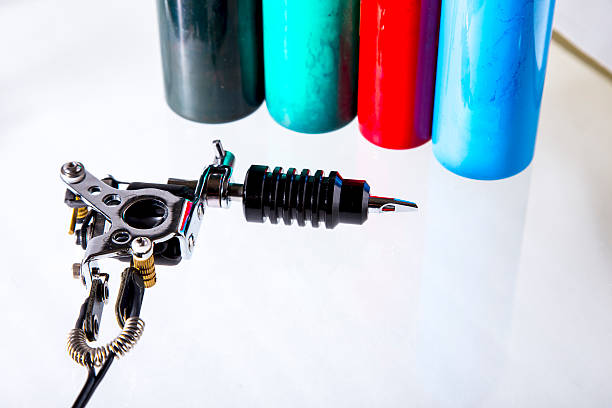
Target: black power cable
92	382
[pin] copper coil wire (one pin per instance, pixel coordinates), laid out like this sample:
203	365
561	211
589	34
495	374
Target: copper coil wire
78	214
82	212
82	353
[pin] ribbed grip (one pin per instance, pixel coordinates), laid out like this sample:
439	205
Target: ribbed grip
303	197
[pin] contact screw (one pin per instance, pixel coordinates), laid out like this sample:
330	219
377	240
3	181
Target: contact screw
143	260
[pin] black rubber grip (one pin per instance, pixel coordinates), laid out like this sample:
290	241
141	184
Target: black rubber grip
304	197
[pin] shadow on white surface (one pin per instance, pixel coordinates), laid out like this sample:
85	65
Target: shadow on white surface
473	244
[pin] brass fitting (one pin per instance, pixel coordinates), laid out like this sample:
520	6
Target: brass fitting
142	259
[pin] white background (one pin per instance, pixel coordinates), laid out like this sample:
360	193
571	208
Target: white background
586	23
493	294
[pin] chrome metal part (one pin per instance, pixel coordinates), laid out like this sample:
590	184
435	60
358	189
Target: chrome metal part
217	178
105	292
113	204
384	204
89	271
216	187
72	172
181	218
219	151
142	248
191	242
76	270
222	156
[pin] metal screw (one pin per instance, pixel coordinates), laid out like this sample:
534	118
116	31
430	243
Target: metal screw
219	151
76	270
121	237
191	242
105	293
200	210
142	247
72	172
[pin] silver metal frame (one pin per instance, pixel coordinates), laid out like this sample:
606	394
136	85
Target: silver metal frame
182	218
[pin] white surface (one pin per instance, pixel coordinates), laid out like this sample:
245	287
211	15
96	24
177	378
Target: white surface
493	295
586	23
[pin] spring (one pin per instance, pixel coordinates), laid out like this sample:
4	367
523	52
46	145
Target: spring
82	212
82	353
78	215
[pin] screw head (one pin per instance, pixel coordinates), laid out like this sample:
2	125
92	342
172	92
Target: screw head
105	293
200	210
219	151
142	247
191	242
73	172
121	237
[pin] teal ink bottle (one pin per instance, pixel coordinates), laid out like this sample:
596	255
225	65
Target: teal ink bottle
310	63
212	58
